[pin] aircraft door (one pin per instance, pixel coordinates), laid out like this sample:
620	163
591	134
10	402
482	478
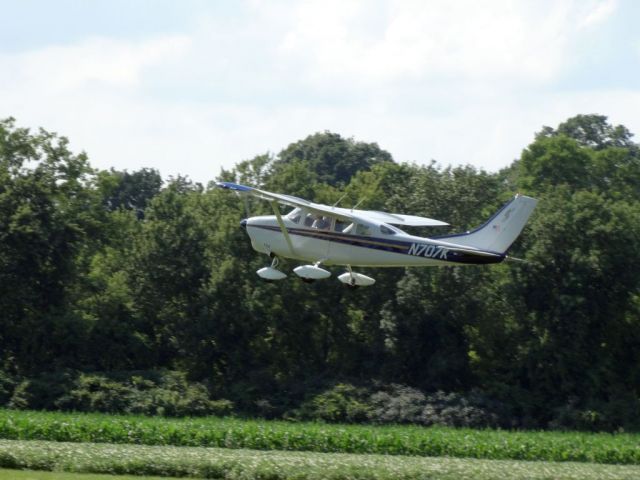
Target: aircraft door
340	247
317	244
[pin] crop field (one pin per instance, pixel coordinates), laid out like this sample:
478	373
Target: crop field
43	475
232	464
314	437
32	443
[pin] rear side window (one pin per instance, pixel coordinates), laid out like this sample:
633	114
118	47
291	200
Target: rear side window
363	229
343	226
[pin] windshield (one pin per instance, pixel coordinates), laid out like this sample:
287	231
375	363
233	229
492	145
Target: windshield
294	213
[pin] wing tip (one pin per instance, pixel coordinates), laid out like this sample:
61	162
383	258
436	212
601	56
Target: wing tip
234	186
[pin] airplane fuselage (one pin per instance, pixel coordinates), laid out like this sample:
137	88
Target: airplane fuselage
373	245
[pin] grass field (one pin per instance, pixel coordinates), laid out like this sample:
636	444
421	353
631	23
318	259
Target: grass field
40	475
284	436
237	464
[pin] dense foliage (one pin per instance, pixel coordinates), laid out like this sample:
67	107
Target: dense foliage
107	274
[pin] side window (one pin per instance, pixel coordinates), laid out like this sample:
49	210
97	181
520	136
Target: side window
363	229
319	222
343	226
309	219
386	231
322	223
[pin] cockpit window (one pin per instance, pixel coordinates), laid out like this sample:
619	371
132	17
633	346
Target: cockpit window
386	230
295	218
294	215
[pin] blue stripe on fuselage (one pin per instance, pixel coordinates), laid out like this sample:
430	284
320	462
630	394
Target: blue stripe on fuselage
419	249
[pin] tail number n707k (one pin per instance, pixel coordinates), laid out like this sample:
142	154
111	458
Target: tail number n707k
428	250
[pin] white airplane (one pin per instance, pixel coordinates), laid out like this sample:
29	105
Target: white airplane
330	235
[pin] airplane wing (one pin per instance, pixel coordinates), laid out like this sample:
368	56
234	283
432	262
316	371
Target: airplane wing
289	200
400	219
343	213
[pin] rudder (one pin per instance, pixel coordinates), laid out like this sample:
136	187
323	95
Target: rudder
499	232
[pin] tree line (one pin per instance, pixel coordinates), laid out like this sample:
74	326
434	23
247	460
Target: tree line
113	284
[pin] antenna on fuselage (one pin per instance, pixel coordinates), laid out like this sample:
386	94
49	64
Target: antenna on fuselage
358	204
339	200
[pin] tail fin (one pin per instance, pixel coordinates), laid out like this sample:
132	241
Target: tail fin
501	230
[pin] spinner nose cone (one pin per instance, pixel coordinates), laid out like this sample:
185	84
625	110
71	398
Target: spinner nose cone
243	223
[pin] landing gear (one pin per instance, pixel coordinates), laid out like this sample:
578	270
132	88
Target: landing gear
271	274
311	273
354	280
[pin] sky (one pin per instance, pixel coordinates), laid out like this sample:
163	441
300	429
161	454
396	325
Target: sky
189	87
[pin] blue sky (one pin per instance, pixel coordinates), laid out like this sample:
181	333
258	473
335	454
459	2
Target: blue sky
192	86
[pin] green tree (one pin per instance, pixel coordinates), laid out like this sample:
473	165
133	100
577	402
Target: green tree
130	191
332	158
48	214
553	161
168	268
592	131
584	285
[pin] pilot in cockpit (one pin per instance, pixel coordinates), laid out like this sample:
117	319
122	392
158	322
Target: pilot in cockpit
322	223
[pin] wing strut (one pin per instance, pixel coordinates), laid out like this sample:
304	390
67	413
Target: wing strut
274	205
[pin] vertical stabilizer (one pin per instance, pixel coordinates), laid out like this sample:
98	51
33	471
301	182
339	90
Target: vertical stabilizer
501	230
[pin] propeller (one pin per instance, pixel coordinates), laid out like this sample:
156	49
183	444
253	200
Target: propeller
245	200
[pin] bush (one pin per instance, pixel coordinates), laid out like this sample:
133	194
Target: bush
621	411
403	404
7	386
21	398
42	392
341	403
170	395
397	404
455	410
95	393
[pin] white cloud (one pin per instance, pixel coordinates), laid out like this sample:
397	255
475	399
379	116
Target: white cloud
97	61
499	40
460	82
596	12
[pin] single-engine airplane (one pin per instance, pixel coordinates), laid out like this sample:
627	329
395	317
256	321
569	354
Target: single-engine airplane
330	235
